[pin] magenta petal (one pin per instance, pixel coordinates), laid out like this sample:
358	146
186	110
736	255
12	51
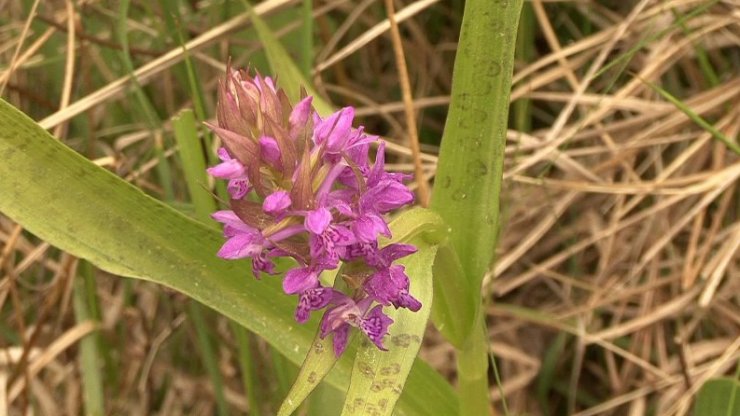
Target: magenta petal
260	263
364	230
239	246
341	336
339	134
276	203
238	188
311	300
223	154
367	228
381	288
375	325
227	217
299	280
336	316
376	173
300	113
232	223
270	83
230	169
393	252
318	220
387	196
269	149
334	130
407	301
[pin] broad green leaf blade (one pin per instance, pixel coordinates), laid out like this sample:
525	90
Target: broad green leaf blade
319	361
452	315
414	223
469	172
718	397
378	377
283	66
469	175
91	213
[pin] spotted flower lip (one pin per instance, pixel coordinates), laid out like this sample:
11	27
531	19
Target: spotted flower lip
322	205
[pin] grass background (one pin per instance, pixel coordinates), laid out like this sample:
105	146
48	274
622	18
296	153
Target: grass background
615	289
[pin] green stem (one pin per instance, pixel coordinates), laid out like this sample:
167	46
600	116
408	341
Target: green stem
472	372
246	365
210	360
84	307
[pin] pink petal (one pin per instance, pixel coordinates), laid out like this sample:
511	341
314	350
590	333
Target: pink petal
231	169
276	203
318	220
300	113
239	246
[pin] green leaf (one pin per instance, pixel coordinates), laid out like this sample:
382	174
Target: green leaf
469	172
451	315
468	182
417	223
378	376
319	361
718	397
91	213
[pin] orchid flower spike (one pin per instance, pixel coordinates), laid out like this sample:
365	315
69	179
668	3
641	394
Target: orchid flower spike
322	203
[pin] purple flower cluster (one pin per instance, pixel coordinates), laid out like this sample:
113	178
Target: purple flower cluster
322	204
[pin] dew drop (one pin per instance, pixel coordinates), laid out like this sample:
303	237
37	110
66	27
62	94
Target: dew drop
459	195
477	168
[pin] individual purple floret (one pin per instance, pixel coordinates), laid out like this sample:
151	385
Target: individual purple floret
323	204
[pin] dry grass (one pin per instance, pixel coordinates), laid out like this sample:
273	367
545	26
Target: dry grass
616	286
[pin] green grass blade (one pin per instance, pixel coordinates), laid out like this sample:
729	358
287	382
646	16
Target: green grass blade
525	52
90	363
696	118
194	164
194	167
284	372
81	208
208	354
144	105
307	39
548	371
247	368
